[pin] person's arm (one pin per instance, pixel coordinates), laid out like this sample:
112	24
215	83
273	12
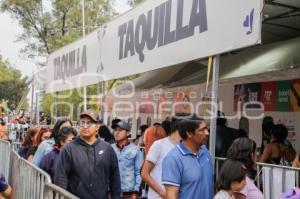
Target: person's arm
62	169
146	170
171	176
152	158
266	154
39	154
171	192
114	175
5	189
7	193
139	159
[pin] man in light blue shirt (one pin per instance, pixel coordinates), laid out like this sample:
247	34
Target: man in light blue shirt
187	170
130	160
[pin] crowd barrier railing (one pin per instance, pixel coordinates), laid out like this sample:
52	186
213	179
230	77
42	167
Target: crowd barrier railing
28	180
14	175
276	179
16	146
272	179
52	191
4	157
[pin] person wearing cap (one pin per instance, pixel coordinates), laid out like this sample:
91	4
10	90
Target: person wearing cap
88	167
130	161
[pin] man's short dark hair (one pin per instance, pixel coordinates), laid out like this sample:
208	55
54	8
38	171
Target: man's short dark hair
188	126
167	127
174	124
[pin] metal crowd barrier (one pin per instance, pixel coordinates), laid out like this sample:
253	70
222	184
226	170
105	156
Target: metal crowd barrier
272	179
28	181
16	146
276	179
4	158
52	191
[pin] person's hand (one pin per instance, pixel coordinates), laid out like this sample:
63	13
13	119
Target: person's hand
163	195
238	195
134	196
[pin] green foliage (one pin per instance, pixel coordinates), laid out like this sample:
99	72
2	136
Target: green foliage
51	24
12	85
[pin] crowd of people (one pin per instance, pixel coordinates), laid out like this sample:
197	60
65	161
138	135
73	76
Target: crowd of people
171	158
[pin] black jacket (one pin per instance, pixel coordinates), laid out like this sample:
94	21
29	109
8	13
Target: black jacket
224	138
88	171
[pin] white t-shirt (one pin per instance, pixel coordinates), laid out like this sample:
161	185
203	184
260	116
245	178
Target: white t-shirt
156	154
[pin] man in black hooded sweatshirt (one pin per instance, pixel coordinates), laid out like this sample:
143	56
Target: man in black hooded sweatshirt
88	167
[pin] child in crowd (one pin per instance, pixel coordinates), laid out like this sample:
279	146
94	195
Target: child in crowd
232	178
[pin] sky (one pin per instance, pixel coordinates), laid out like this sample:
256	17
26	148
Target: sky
10	49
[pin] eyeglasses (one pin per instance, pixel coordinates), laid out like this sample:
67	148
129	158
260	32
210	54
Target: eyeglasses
86	123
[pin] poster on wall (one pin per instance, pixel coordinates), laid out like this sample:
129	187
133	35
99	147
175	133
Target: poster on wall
182	102
248	95
283	89
279	96
295	96
268	95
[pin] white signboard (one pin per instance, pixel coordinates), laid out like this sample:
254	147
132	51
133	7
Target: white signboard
154	35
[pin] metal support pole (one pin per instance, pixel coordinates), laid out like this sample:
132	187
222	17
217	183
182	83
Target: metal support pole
84	99
56	109
32	98
103	89
83	35
37	108
214	102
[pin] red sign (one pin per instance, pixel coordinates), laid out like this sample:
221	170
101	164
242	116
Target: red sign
268	95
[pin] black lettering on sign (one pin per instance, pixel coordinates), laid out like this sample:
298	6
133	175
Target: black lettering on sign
153	28
70	64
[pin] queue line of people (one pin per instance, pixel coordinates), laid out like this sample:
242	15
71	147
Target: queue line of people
175	164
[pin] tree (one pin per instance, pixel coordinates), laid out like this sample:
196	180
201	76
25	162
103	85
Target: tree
12	85
51	24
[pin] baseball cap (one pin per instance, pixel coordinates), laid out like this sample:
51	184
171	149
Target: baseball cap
114	123
123	125
92	114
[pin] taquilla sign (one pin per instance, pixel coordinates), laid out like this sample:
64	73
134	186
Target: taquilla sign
153	35
153	29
